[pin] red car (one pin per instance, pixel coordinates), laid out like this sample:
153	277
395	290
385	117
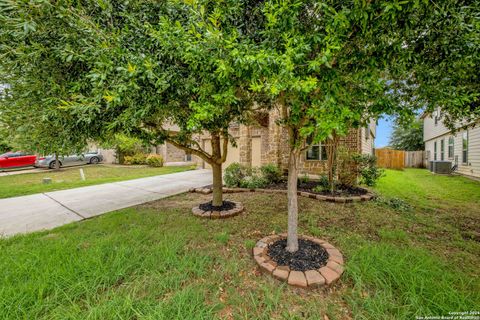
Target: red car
16	159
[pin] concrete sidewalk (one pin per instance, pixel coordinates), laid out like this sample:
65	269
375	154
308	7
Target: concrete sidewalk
52	209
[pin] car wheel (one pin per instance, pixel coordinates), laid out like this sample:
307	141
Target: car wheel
52	164
94	160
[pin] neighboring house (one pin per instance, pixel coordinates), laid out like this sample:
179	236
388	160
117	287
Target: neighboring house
462	147
268	143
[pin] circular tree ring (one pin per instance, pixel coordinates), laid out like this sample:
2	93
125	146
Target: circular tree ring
323	276
221	214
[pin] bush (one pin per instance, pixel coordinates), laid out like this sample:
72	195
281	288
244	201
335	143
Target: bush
347	167
128	160
155	160
323	184
254	181
126	147
304	178
237	175
271	173
234	175
138	158
369	172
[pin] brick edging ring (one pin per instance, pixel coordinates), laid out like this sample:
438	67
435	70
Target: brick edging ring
323	276
366	197
219	214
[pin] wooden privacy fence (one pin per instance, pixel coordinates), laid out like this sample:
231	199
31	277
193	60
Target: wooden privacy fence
399	159
415	159
391	159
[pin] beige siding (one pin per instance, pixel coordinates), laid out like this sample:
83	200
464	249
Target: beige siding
430	130
367	140
373	127
472	167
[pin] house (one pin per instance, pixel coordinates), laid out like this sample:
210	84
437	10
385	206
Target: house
268	143
461	147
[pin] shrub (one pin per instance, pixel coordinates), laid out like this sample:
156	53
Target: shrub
347	167
155	160
253	181
234	175
128	160
304	178
237	175
126	147
369	172
271	173
323	184
138	158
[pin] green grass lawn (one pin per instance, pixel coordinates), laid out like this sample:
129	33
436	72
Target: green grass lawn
29	183
158	261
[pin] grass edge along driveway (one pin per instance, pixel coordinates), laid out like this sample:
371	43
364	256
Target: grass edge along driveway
68	178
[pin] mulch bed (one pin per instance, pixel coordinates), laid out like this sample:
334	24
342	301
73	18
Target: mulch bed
227	210
227	205
309	186
316	264
310	255
305	189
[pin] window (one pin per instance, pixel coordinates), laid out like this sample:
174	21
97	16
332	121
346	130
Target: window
465	147
442	149
435	150
14	155
316	151
451	150
437	115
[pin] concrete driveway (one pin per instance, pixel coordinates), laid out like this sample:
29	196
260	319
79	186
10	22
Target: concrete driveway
52	209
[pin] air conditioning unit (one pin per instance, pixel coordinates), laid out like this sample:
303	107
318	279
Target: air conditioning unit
442	167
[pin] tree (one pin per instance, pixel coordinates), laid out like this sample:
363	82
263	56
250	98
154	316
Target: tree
325	68
407	137
326	65
156	71
441	43
4	144
34	124
37	46
334	64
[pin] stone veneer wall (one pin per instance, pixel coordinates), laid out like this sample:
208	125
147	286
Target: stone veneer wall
245	144
274	146
316	167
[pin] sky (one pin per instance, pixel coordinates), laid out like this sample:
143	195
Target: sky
384	129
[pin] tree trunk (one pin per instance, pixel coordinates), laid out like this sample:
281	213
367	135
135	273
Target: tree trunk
331	155
217	171
57	163
292	237
217	185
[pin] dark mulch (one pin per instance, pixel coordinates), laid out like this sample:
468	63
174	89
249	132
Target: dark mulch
308	257
308	186
227	205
